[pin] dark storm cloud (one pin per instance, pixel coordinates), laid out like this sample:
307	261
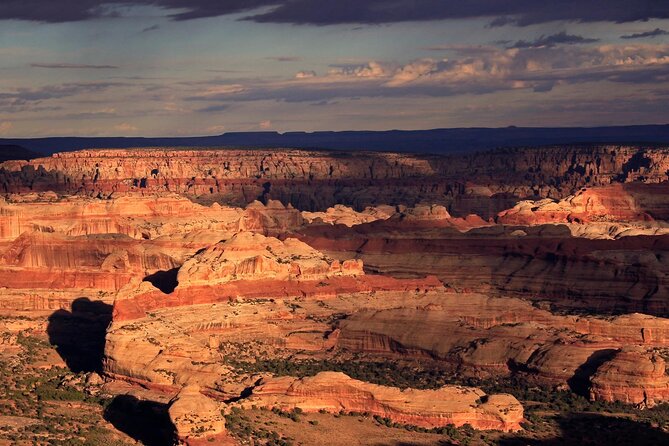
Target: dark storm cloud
519	12
654	33
318	12
555	39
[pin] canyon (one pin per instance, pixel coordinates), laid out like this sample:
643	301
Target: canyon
404	289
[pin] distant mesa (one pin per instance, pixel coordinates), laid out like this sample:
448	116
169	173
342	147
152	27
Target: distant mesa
15	152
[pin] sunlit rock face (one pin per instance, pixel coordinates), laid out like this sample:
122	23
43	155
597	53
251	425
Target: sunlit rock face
481	183
195	416
549	265
635	376
249	256
334	392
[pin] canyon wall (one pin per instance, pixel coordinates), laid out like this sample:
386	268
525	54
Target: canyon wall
483	183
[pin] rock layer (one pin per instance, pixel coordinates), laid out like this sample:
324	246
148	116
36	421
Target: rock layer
635	376
195	416
334	392
313	180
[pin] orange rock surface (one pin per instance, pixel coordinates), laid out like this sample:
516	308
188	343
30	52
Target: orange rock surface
249	256
469	261
196	417
635	376
335	392
495	180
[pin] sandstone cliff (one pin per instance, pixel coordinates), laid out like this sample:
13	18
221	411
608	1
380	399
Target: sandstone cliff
253	256
335	392
312	180
635	376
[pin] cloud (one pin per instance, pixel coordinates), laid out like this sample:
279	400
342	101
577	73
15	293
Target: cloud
22	96
72	66
150	28
561	38
101	113
371	69
126	128
216	91
29	99
517	12
214	108
316	12
467	49
305	74
5	127
539	69
265	125
285	58
214	70
654	33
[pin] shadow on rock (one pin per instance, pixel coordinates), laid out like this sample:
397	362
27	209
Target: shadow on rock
145	421
595	430
580	382
165	281
79	335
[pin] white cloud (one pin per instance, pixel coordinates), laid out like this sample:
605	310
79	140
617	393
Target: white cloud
372	69
220	90
305	74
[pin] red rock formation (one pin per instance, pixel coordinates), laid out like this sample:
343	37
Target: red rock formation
493	336
42	260
82	246
544	263
254	266
197	419
606	203
343	215
481	335
635	376
140	217
596	245
313	180
335	392
250	256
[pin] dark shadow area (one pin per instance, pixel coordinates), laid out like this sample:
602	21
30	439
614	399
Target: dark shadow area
165	281
146	421
594	430
439	141
263	197
634	164
247	392
79	335
580	382
14	152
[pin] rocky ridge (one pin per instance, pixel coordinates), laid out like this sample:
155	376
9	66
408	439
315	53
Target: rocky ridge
237	177
335	392
545	264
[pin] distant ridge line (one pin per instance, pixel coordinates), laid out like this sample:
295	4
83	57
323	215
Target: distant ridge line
432	141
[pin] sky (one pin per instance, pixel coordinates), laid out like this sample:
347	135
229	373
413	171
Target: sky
204	67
